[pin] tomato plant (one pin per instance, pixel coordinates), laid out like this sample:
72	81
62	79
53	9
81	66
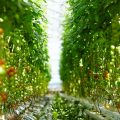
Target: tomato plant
91	41
24	69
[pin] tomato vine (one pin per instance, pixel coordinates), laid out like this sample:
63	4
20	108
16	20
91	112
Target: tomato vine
24	69
90	65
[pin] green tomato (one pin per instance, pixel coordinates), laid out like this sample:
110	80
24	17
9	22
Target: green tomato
2	71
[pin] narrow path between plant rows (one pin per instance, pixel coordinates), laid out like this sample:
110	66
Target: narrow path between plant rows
49	107
57	106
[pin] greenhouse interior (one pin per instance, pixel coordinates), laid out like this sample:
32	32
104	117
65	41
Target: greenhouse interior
59	59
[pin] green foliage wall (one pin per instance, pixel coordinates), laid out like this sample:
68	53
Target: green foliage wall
23	51
90	60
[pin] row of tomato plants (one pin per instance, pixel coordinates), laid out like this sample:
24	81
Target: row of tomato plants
90	60
24	69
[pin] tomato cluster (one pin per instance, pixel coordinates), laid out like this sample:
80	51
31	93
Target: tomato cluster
1	31
3	97
11	71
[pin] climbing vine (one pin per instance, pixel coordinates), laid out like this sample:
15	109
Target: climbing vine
90	60
24	70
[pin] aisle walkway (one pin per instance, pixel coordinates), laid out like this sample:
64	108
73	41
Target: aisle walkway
45	108
61	107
